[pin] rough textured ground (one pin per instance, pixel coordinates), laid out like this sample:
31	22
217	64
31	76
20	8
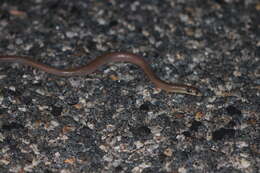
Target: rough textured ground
115	120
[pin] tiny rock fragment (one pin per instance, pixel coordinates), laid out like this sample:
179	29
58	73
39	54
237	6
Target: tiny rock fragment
17	13
78	106
199	115
70	160
67	129
113	77
168	152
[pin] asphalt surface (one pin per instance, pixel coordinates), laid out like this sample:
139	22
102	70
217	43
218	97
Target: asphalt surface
115	120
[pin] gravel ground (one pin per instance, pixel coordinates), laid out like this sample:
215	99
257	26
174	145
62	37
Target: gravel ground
115	120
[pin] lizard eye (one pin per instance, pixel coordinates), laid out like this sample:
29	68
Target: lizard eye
189	90
193	92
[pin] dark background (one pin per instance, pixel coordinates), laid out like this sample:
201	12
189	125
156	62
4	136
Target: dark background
115	120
